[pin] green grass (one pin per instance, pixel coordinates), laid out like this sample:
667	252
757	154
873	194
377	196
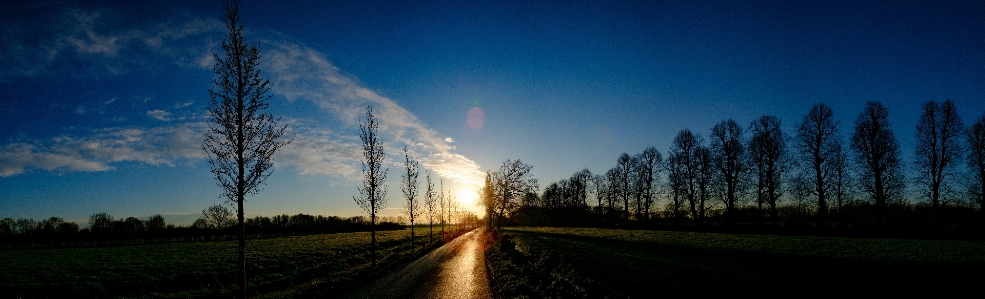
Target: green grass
200	269
595	263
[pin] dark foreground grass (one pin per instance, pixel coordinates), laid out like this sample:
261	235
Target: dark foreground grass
277	267
598	263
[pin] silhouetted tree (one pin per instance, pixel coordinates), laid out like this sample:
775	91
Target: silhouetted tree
818	144
217	217
409	188
768	154
842	176
488	197
676	179
600	187
372	195
687	148
625	165
650	164
100	223
877	153
513	181
728	153
976	160
705	170
613	177
430	198
938	149
242	139
156	223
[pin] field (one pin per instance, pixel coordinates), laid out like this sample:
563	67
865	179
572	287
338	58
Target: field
276	266
596	263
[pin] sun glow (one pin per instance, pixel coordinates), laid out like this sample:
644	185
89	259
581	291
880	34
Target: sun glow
467	198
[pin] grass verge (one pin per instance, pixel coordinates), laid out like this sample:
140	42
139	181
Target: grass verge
600	263
277	267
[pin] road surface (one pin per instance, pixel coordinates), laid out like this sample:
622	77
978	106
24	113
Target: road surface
455	270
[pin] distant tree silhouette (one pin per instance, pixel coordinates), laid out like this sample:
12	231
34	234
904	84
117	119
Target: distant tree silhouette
676	179
705	170
728	154
625	166
372	195
975	135
650	165
513	180
768	154
600	186
488	197
938	150
430	199
156	223
613	177
409	188
100	223
841	183
690	154
241	139
217	217
818	144
877	153
442	206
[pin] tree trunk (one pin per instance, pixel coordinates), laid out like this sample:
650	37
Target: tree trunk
242	249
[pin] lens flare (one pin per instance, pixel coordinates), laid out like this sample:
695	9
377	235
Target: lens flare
475	118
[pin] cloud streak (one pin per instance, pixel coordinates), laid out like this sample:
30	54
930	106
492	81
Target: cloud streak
99	149
300	73
296	72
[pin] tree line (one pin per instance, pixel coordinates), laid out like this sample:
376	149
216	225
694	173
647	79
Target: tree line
214	224
760	174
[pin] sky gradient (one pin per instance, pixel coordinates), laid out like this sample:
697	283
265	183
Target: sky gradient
104	104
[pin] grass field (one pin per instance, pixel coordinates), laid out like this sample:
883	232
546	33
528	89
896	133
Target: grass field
596	263
200	269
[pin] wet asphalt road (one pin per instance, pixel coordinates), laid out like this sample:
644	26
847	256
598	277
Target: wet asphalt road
455	270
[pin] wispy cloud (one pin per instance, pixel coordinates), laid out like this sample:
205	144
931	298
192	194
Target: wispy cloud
160	115
77	42
88	37
301	73
97	150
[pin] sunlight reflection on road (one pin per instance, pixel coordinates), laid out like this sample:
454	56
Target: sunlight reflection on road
455	270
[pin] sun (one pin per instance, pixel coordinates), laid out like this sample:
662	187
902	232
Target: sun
466	197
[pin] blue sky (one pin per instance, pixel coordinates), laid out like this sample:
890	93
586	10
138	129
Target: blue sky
104	103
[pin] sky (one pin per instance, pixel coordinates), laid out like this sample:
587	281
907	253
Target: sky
104	102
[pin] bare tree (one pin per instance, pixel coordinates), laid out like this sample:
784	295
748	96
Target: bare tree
976	159
488	195
442	206
513	181
649	168
705	170
242	139
430	199
676	180
877	153
687	150
217	217
728	151
625	166
842	176
372	195
938	149
768	154
409	188
818	143
613	190
600	187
